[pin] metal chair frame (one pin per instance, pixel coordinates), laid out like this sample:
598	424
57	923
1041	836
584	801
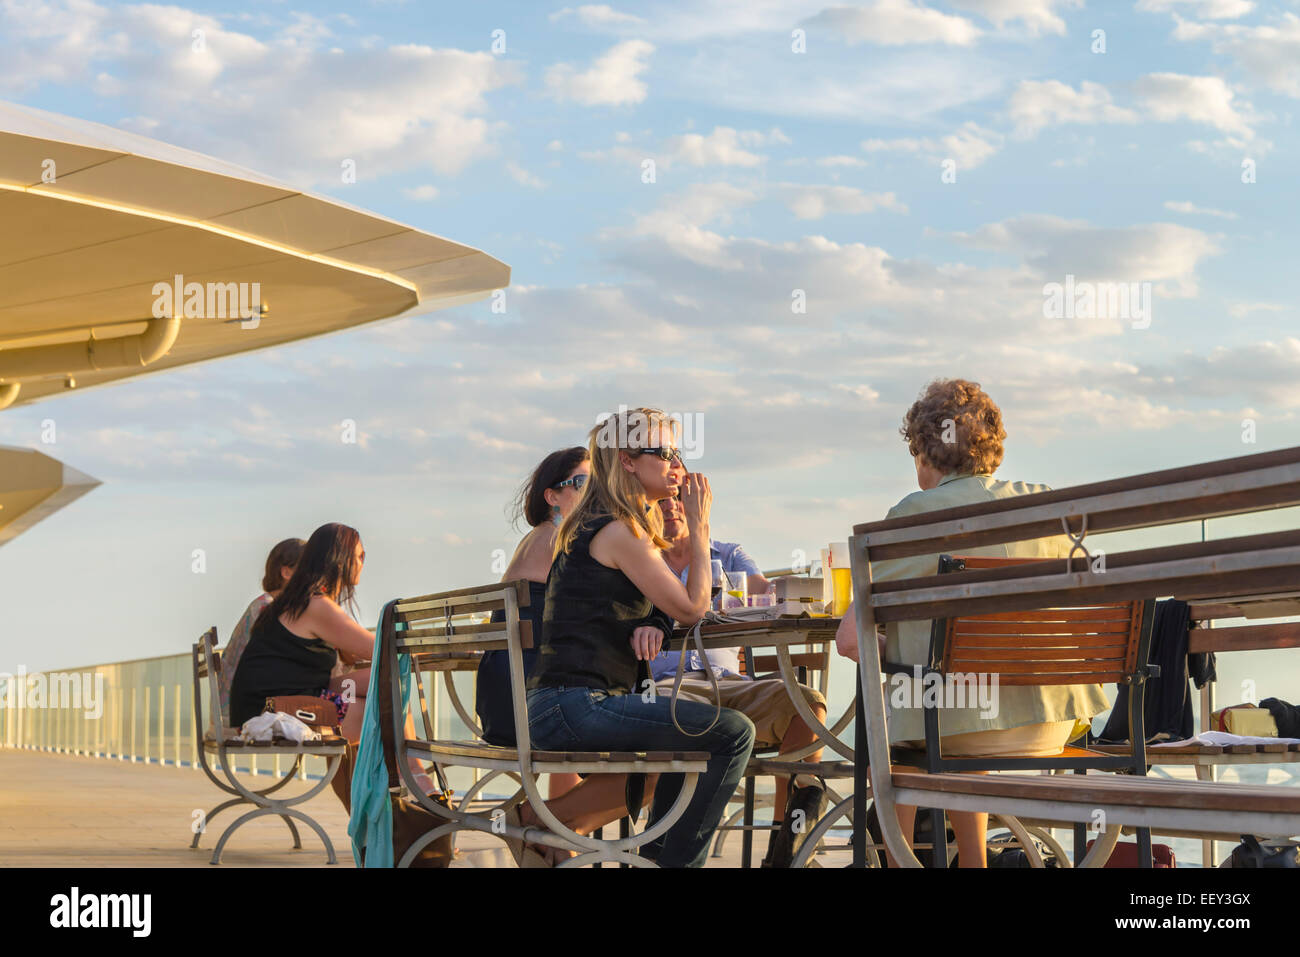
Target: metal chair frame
439	623
207	665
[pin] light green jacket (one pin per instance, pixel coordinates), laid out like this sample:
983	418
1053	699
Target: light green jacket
908	642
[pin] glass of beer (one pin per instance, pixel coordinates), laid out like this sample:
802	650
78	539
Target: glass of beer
841	579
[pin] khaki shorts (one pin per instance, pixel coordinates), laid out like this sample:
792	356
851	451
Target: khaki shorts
765	703
1029	740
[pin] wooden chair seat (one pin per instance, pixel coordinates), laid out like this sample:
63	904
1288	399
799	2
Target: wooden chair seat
1153	751
822	769
285	745
1110	791
916	756
474	749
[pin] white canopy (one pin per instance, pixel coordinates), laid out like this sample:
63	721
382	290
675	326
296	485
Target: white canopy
94	218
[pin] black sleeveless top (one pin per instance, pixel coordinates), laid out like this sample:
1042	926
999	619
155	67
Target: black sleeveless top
591	612
493	699
277	662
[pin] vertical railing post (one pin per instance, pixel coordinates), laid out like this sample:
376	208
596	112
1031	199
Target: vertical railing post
135	696
176	725
148	697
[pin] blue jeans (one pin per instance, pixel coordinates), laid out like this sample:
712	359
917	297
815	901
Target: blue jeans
588	719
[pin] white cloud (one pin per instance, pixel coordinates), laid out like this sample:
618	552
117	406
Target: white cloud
814	202
895	23
1192	209
597	15
1054	248
970	145
555	146
1240	310
841	161
1038	16
1209	9
723	147
274	101
422	194
522	176
612	79
1037	104
1169	97
1269	52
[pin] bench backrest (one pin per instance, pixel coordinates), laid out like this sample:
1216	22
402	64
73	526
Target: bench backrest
1246	565
207	667
447	631
1097	643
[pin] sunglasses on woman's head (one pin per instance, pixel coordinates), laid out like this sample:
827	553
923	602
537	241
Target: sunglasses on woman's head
577	481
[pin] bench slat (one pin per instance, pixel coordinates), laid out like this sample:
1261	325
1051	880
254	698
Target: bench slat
1106	790
469	749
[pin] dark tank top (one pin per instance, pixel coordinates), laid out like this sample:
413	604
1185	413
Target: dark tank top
591	612
277	662
493	699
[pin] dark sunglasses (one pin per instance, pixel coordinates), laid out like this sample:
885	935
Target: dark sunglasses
577	481
662	452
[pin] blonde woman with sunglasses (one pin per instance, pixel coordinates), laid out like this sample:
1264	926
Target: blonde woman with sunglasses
610	604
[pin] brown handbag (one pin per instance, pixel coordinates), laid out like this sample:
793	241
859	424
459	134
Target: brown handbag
319	713
410	820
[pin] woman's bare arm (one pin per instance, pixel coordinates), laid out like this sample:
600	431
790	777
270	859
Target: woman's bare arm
325	620
636	557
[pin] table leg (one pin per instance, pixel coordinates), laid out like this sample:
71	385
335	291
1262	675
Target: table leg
859	776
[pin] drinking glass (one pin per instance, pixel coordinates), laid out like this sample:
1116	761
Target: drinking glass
737	590
719	579
841	579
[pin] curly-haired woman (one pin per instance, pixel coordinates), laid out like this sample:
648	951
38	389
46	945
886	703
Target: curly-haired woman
954	432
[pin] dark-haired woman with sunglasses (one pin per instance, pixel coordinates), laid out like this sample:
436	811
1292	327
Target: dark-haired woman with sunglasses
551	492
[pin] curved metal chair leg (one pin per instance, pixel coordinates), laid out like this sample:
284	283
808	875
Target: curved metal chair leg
283	812
1044	835
1022	836
425	840
723	833
597	857
297	841
469	796
207	818
843	809
1102	848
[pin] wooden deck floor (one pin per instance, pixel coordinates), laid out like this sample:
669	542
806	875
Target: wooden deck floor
59	810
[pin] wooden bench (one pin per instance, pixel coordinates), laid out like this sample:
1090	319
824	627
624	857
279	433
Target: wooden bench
1098	643
222	743
1254	564
447	623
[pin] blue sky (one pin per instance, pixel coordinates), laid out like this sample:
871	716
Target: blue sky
775	171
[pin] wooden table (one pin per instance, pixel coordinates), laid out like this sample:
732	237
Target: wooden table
779	634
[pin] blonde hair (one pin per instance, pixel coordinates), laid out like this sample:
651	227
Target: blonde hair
612	489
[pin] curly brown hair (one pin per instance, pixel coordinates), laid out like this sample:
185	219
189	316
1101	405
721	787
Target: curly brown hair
955	427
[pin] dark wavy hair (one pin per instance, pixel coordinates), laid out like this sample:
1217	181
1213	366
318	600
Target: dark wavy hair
286	554
327	567
530	502
956	427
